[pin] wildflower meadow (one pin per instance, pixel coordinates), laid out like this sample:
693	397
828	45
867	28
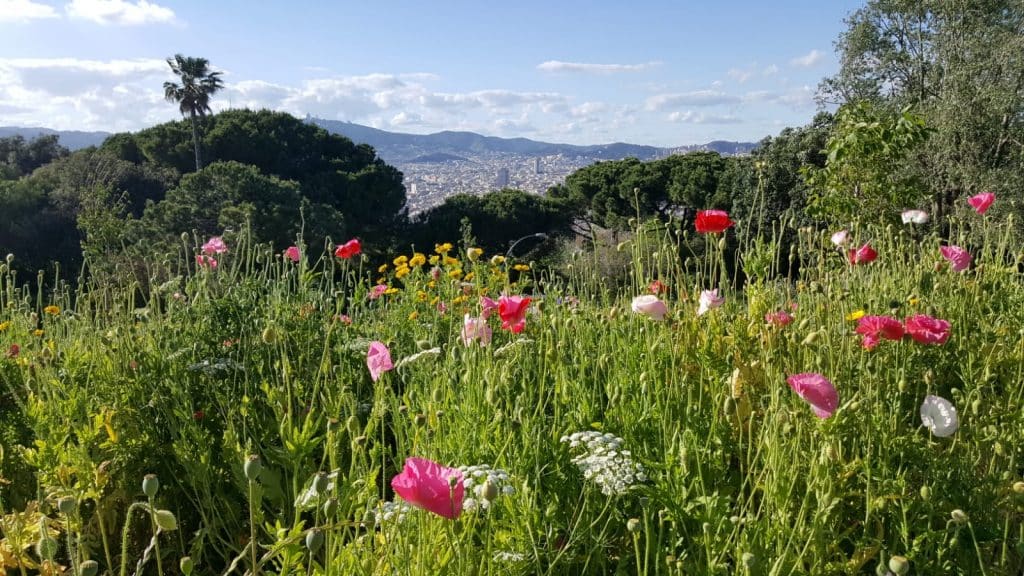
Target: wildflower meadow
809	401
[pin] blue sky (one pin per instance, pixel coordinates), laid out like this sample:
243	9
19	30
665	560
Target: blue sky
661	73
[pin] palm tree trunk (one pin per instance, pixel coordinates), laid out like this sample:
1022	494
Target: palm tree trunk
195	141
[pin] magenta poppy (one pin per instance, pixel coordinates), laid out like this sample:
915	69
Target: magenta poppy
215	245
713	221
378	360
927	330
292	253
874	328
817	391
206	261
349	249
512	310
431	486
981	202
487	305
959	259
13	351
780	318
377	291
863	255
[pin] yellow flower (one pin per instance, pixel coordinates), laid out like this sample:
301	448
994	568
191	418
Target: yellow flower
455	274
4	326
382	280
414	315
434	260
37	332
383	268
421	296
450	262
401	260
521	267
432	284
391	291
52	310
469	276
855	315
443	248
401	272
497	260
459	299
474	253
914	301
418	259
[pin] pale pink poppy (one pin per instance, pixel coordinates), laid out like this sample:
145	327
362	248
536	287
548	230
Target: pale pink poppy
817	391
377	291
840	238
915	217
927	330
649	305
487	305
215	245
431	486
709	299
206	261
292	253
873	328
378	360
780	318
475	329
981	202
959	259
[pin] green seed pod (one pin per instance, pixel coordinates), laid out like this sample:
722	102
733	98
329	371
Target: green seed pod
810	339
314	540
46	548
150	485
88	568
331	507
1018	487
320	482
958	516
165	520
489	491
67	505
420	420
253	466
899	565
437	395
352	425
926	493
187	565
269	335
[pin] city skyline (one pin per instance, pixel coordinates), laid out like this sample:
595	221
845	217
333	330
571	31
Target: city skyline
657	73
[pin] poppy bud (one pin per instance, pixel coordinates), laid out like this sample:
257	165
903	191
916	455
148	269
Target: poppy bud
1018	487
926	493
187	565
88	568
899	565
352	425
253	466
66	505
633	525
165	520
46	548
331	507
269	335
748	560
958	516
489	491
150	485
320	482
420	420
314	540
10	259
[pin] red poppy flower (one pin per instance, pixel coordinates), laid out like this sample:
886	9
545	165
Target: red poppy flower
713	221
863	255
927	330
349	249
876	327
512	310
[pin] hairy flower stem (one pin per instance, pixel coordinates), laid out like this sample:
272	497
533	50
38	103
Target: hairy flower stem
156	537
252	531
124	535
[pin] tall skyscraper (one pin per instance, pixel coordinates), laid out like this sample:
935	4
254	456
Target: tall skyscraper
502	180
537	167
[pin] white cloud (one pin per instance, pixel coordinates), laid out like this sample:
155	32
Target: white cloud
807	60
695	98
558	66
740	75
122	12
405	119
800	98
691	117
25	11
770	70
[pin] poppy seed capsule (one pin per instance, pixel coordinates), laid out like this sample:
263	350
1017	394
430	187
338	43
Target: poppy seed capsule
899	565
253	466
88	568
66	505
331	507
47	547
150	485
320	482
314	540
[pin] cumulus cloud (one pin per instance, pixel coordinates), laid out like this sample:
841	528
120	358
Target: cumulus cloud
800	98
740	75
695	98
807	60
120	12
557	66
691	117
21	11
770	70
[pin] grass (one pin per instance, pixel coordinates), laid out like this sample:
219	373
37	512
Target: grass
191	372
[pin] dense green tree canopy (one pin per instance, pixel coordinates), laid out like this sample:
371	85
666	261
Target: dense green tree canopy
19	157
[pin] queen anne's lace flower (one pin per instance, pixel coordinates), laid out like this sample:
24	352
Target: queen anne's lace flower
485	484
390	511
604	461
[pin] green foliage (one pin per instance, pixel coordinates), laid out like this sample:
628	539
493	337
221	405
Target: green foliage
863	177
198	84
19	158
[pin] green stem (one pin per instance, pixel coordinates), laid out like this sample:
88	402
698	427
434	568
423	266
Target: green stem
124	536
156	538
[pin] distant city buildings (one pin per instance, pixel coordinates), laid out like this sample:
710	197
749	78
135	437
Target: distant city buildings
537	165
502	180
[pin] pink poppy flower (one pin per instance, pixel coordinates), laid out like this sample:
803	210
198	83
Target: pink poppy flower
780	318
344	319
487	305
840	238
206	261
709	299
927	330
915	217
348	249
215	245
981	202
377	291
650	306
378	360
292	253
817	391
959	258
874	328
475	329
431	486
512	310
863	255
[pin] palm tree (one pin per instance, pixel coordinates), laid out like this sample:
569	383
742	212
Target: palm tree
198	83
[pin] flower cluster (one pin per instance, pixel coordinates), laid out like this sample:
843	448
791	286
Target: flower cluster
605	462
920	327
388	511
486	484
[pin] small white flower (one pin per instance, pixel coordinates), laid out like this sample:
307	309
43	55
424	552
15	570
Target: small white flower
839	238
939	416
429	353
915	217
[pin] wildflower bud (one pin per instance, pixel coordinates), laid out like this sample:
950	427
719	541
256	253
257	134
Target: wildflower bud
46	548
899	565
253	466
437	395
881	570
150	484
489	491
926	493
269	335
958	516
734	520
331	507
184	237
1018	487
165	520
403	409
748	560
320	482
88	568
633	525
352	425
810	339
10	259
420	420
186	565
66	505
314	540
998	449
620	246
721	243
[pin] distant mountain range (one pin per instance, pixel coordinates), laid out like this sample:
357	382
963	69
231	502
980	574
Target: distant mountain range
398	147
